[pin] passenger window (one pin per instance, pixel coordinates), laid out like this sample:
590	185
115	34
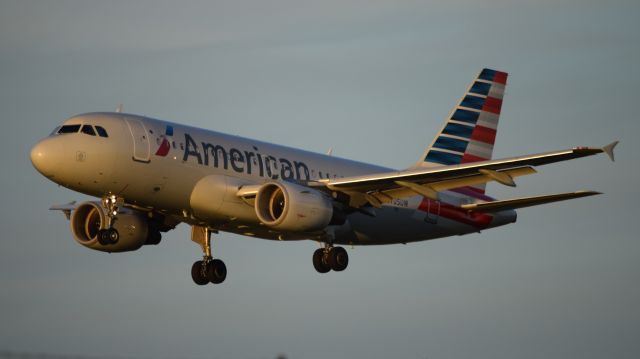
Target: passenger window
101	131
69	129
88	130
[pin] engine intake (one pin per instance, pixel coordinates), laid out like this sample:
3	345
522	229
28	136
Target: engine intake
134	227
290	207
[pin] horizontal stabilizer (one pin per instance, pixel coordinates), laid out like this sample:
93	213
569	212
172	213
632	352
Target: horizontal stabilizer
65	208
525	202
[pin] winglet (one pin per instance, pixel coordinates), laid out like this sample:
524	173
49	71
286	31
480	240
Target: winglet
119	108
608	149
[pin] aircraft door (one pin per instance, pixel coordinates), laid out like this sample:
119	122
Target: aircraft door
141	145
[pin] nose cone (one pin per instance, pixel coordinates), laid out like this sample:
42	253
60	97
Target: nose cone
45	156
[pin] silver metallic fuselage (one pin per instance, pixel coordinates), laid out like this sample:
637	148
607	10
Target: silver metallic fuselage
156	165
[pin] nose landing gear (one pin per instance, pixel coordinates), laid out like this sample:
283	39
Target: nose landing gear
207	270
110	235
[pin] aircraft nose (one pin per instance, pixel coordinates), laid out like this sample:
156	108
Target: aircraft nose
44	156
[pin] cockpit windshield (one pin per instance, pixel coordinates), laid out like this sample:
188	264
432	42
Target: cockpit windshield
101	131
69	129
86	129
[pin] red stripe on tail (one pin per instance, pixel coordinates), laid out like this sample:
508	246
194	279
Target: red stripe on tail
484	134
471	158
500	77
492	104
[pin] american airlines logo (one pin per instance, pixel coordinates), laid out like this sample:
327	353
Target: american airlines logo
165	146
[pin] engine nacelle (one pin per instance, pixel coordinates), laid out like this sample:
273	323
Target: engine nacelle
134	227
290	207
214	199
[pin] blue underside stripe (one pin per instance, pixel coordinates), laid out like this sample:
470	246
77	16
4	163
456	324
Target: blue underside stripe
481	88
472	102
456	129
466	116
443	158
451	144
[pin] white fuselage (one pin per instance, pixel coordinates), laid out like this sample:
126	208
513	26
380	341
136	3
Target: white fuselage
156	165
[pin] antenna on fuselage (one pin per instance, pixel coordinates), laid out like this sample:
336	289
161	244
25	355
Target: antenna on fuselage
119	108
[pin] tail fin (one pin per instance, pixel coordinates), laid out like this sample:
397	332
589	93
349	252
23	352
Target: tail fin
469	132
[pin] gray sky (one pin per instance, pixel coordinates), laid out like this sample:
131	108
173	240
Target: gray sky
374	80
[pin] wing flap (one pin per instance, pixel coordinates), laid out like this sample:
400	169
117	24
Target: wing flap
434	187
515	203
409	189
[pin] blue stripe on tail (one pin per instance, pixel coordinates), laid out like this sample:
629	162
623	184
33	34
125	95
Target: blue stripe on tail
444	158
451	144
456	129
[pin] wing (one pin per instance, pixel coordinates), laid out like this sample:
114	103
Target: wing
376	189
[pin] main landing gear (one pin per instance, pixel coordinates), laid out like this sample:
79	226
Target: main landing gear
110	235
330	258
207	270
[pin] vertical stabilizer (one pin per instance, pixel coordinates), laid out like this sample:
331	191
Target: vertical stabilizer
469	132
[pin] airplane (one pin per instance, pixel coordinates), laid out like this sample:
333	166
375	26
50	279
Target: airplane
152	175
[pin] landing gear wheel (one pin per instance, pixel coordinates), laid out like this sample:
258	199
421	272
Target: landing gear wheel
113	236
319	262
103	237
207	270
198	273
216	271
338	259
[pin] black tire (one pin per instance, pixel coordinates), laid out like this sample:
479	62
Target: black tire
113	235
338	259
319	262
103	237
216	271
198	275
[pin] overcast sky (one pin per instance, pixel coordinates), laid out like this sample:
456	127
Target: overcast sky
374	80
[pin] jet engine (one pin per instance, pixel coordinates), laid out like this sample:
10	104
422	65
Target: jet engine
290	207
134	227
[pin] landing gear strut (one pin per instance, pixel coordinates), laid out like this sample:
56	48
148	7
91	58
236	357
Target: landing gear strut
330	258
207	270
110	235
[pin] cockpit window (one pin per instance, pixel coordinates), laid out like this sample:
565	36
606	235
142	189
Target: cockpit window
87	129
55	130
101	131
69	129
